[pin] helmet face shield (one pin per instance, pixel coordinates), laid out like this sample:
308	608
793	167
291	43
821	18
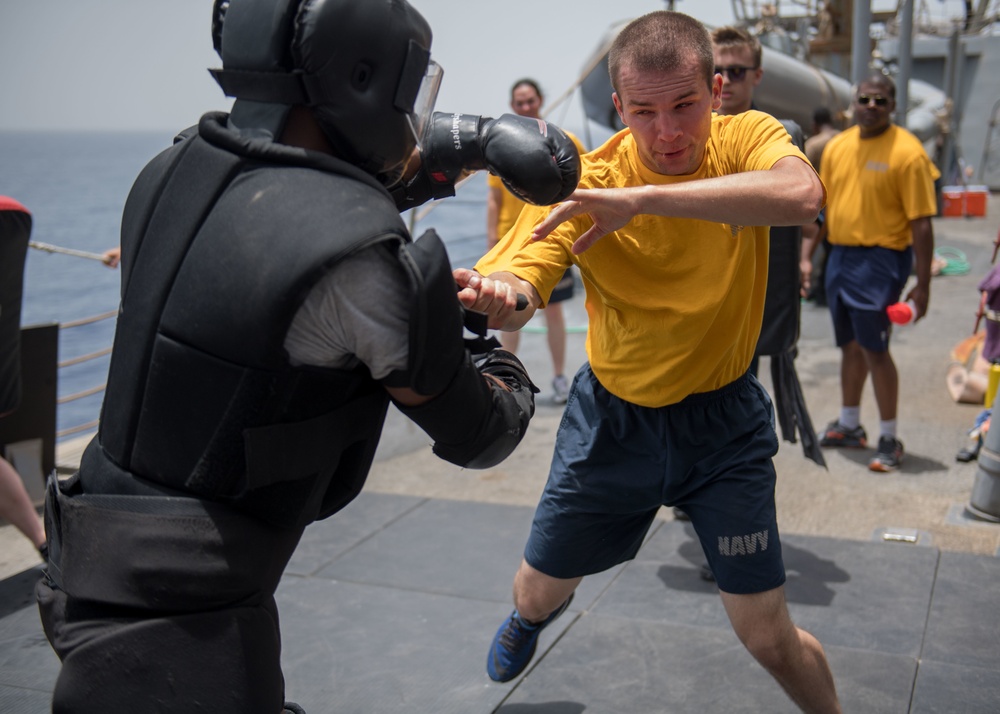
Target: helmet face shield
423	105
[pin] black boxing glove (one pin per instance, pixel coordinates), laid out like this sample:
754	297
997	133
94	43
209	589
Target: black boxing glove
536	161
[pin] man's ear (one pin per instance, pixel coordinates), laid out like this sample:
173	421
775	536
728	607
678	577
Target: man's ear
618	107
716	92
758	74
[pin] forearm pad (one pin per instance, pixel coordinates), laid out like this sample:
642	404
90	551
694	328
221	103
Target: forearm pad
421	189
450	146
476	423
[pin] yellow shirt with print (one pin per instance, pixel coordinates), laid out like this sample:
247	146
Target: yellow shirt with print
877	186
674	304
511	205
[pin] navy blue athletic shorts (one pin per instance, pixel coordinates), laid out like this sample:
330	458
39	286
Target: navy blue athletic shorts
861	282
616	463
563	289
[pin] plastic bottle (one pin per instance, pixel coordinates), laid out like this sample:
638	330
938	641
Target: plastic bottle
902	313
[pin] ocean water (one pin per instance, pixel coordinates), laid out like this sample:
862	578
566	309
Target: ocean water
75	185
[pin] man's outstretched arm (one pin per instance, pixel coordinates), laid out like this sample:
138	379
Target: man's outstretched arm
788	194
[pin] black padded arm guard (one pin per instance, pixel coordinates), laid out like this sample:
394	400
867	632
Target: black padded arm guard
478	421
419	190
450	146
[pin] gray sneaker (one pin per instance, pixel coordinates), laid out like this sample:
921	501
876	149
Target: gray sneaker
560	388
837	434
889	455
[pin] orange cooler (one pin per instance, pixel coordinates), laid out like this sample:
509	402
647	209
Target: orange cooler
951	201
975	200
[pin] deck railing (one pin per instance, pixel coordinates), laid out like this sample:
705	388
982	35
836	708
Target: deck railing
90	391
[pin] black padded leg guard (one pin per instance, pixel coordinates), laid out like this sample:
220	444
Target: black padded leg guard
225	662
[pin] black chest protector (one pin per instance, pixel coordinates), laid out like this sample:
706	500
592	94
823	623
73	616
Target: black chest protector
779	330
224	239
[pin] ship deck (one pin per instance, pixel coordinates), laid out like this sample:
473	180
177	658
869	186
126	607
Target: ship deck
390	606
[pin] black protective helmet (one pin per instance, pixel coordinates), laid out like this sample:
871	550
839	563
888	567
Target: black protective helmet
362	66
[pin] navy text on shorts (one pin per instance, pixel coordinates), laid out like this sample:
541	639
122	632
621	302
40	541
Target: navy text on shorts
616	463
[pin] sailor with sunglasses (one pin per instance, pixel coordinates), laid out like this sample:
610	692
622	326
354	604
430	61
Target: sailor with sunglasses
881	199
737	56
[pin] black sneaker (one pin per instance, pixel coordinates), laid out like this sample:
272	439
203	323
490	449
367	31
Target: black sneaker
837	434
889	455
514	644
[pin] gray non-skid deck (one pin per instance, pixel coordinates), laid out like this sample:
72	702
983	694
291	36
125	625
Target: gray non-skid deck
391	606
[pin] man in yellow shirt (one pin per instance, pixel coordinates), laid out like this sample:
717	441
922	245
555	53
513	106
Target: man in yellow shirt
882	197
669	233
502	210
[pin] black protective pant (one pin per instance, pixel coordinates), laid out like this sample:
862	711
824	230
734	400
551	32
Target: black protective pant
161	604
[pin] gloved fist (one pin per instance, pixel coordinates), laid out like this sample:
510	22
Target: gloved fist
504	367
506	370
535	160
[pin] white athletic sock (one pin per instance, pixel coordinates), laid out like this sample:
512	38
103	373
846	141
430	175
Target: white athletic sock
850	417
887	428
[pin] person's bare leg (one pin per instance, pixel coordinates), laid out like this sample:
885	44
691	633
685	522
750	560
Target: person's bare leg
510	340
537	595
16	506
791	655
555	327
853	373
885	381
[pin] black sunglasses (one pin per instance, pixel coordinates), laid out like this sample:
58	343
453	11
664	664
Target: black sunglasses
880	101
735	73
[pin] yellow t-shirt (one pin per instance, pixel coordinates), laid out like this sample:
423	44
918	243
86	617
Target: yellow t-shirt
511	205
877	186
674	304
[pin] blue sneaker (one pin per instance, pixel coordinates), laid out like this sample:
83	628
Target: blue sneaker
514	644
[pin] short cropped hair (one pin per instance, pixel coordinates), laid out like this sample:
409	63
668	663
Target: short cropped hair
661	41
728	37
882	80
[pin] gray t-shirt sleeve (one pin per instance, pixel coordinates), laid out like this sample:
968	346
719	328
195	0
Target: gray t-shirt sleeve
357	313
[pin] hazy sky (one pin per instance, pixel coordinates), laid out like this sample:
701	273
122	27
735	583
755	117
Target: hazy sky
135	64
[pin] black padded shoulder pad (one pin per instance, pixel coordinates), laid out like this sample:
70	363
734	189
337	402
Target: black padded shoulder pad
436	318
794	131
